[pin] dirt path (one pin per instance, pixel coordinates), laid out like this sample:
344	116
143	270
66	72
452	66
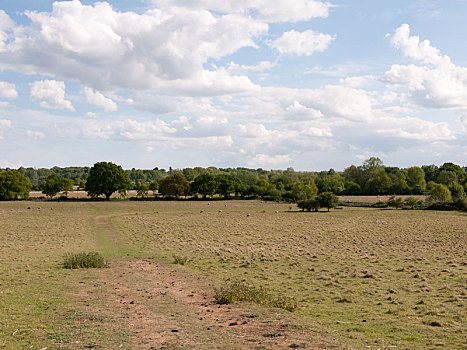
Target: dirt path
166	306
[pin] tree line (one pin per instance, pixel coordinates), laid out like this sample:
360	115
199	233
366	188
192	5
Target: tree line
372	177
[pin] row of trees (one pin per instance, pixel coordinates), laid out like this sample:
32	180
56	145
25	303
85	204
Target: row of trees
371	178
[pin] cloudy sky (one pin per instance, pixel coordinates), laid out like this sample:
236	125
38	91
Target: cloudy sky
255	83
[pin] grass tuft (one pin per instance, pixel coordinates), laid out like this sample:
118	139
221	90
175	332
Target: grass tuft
180	260
83	260
240	291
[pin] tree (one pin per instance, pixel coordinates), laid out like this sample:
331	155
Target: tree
227	184
54	184
141	189
106	178
439	193
154	186
14	185
204	184
331	183
380	184
174	185
309	204
328	200
300	191
416	179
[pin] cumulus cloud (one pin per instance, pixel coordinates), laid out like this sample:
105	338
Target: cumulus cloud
8	90
266	10
5	124
304	43
158	50
98	99
437	84
50	94
36	135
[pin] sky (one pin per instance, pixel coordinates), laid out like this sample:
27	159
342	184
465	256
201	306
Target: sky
267	84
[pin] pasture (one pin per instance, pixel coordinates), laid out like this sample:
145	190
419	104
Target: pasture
362	278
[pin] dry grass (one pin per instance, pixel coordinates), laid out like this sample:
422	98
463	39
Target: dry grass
374	278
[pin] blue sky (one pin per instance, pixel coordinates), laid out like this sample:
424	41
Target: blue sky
273	84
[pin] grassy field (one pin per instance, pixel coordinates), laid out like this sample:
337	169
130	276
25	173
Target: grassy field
371	278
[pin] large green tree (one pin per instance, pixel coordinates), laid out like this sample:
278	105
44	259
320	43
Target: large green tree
327	200
55	183
106	178
227	184
13	185
174	185
204	184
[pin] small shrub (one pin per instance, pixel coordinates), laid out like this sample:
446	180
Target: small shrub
180	260
83	260
240	291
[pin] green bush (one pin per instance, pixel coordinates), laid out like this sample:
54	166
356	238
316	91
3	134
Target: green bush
238	291
83	260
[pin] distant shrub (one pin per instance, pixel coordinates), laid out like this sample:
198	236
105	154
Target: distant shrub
237	291
83	260
395	202
180	260
413	203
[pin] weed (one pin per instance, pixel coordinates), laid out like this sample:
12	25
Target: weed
241	291
180	260
273	335
83	260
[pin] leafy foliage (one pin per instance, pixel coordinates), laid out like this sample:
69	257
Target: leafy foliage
14	185
54	184
174	185
106	178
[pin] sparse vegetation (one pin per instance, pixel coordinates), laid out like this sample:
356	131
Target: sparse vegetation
237	291
180	260
83	260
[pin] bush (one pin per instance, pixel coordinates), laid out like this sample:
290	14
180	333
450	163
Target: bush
237	291
413	203
309	204
83	260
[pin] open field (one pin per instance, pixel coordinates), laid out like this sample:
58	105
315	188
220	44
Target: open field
363	278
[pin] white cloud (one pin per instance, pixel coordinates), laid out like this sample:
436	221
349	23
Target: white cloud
5	124
242	69
50	94
91	115
35	134
305	43
8	90
6	24
266	10
437	84
264	160
163	50
98	99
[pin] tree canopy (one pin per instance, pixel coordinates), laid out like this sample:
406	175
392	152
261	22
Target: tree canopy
54	184
106	178
14	185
